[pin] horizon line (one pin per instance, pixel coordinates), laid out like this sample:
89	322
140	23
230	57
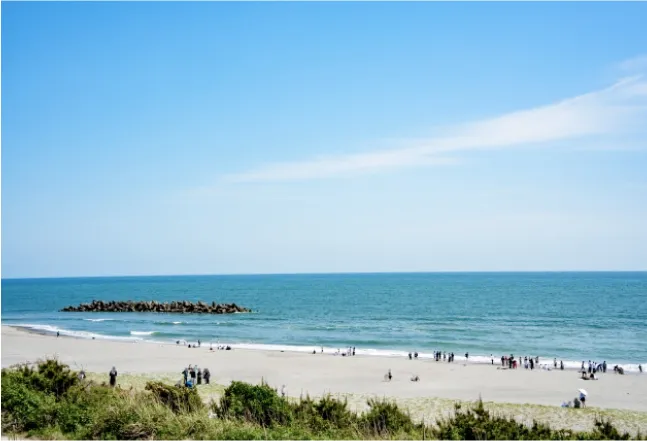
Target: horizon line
325	273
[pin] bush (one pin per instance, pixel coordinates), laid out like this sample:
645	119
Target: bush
385	418
178	399
50	377
23	408
256	404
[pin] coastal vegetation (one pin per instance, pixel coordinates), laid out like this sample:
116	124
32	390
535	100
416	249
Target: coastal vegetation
50	401
181	307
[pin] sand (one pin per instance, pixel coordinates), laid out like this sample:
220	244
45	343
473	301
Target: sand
521	393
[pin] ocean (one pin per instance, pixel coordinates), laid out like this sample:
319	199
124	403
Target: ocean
570	316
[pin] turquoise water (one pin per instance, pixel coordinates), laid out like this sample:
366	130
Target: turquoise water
571	316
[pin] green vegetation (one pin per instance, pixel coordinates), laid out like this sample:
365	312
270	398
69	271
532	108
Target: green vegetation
50	402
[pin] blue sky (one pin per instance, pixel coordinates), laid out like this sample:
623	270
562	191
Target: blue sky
211	138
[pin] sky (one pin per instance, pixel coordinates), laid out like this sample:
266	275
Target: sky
228	138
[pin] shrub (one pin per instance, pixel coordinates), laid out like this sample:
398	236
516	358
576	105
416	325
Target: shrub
178	399
385	417
259	404
50	377
23	408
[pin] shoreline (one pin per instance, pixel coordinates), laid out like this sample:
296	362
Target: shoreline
317	374
630	368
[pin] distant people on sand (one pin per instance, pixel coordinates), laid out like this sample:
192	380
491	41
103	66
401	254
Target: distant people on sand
640	368
388	376
58	333
113	376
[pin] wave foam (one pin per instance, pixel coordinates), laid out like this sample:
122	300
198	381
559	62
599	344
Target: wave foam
99	320
143	332
48	329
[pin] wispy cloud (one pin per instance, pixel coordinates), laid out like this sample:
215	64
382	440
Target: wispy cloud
633	65
609	111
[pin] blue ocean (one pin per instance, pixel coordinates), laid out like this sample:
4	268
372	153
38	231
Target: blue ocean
570	316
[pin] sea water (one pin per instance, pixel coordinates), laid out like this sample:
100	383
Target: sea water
570	316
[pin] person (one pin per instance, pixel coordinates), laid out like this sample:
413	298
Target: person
353	350
58	333
199	343
583	399
640	368
576	403
283	391
113	377
492	359
82	375
415	378
409	355
199	376
415	355
389	376
185	374
207	375
561	364
555	362
467	356
192	373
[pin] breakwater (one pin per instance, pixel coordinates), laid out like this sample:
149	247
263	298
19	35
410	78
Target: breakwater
179	307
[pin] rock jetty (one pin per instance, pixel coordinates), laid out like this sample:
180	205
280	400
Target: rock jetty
182	307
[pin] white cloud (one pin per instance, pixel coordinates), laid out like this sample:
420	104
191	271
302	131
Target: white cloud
610	111
636	64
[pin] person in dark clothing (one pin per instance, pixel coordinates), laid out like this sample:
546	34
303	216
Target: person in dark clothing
561	365
58	334
185	374
532	364
192	373
113	377
199	376
207	375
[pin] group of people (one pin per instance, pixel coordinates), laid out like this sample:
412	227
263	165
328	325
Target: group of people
445	356
194	375
348	352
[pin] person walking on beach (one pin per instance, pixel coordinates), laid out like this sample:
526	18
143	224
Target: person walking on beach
58	333
113	377
561	365
467	356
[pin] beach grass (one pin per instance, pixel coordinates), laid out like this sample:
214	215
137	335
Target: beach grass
429	410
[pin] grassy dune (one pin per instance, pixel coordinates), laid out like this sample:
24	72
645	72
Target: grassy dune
429	410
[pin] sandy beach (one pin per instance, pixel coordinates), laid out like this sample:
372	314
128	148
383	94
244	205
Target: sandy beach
441	383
